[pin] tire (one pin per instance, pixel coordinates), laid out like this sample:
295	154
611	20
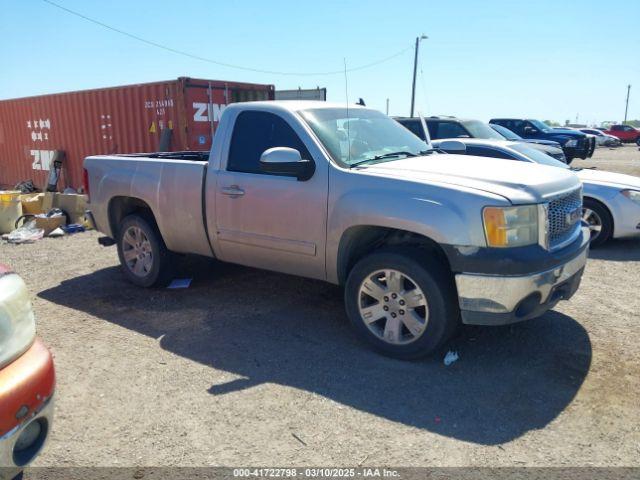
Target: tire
600	221
431	323
569	160
150	263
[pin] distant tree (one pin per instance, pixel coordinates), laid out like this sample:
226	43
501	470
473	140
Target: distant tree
551	123
567	122
633	123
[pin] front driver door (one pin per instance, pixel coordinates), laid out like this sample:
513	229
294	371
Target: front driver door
265	220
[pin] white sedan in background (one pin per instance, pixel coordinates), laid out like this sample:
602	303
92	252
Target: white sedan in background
602	138
611	200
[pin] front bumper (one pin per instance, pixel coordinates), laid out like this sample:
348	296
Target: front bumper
504	299
26	396
584	150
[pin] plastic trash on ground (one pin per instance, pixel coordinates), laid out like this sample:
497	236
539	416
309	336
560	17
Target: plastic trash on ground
180	283
73	228
27	233
451	357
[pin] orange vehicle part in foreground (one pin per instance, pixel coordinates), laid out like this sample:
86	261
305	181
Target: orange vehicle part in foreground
28	382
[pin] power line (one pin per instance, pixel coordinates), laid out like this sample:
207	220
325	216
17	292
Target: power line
215	62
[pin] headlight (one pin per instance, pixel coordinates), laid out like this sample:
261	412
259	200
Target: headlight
633	195
511	226
17	323
571	143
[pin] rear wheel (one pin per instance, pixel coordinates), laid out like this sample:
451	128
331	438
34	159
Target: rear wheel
402	301
600	222
143	255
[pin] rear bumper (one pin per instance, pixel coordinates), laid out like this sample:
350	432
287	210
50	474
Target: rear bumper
26	402
504	299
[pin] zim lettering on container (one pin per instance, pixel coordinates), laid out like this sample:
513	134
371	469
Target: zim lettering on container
125	119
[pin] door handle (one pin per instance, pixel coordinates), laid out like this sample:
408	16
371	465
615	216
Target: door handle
233	191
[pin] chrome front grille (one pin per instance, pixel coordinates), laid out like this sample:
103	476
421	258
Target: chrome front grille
563	217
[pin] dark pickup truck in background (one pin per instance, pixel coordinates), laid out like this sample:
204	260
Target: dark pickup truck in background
574	144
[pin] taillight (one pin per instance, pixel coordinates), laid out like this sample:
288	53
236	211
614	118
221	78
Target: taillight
85	182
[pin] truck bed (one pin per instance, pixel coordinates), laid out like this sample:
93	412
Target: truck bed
170	183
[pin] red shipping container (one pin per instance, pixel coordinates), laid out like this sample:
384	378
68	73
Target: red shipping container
127	119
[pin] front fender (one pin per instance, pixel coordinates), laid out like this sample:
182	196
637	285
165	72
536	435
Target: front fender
445	216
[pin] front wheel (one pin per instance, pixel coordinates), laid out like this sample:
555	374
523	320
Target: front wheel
143	255
600	222
402	301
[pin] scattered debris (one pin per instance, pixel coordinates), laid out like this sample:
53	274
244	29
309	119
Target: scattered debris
180	283
58	232
451	357
73	228
27	233
299	439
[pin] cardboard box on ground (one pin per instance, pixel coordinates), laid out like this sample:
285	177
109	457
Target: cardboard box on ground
73	203
10	210
14	204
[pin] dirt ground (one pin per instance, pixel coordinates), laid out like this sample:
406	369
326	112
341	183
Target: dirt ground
255	368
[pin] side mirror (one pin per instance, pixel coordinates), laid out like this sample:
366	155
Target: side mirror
453	146
288	162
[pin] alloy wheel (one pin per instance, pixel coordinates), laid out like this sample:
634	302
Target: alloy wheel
594	221
137	251
393	306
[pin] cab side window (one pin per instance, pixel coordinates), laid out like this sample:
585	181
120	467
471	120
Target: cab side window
415	127
448	130
480	151
253	133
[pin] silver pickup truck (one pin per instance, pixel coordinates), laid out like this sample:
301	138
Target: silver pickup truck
420	240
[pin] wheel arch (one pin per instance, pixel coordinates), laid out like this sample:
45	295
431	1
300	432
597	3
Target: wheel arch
604	205
357	241
123	206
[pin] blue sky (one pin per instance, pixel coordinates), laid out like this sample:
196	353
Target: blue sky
543	58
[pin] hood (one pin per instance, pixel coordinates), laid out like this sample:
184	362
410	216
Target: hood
550	149
550	143
600	177
566	134
518	182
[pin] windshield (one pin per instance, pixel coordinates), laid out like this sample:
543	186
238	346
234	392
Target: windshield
537	155
505	132
543	127
481	130
362	135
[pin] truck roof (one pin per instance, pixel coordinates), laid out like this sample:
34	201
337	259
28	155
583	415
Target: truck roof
293	105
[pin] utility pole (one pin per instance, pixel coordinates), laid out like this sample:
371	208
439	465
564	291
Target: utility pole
626	108
415	71
387	106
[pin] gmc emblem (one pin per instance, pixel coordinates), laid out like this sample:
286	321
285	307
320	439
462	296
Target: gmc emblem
573	216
